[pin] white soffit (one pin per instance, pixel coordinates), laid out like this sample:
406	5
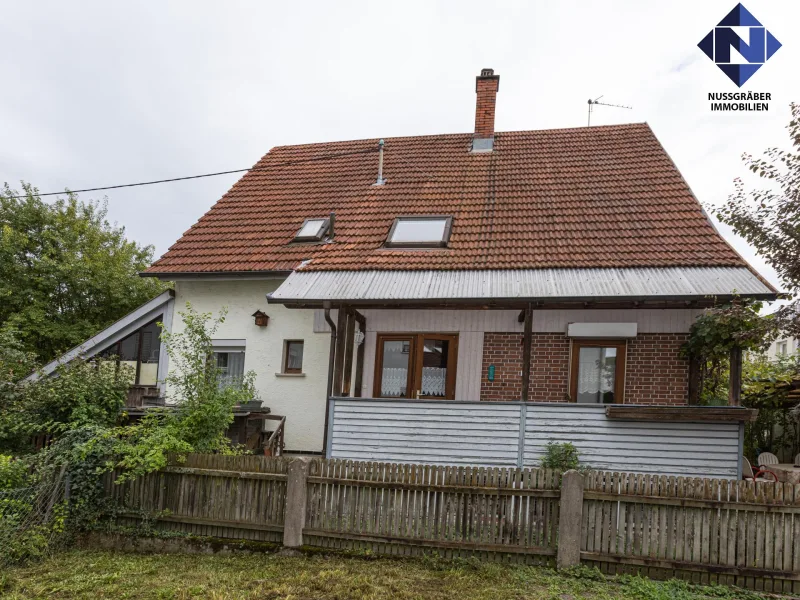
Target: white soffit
533	284
602	330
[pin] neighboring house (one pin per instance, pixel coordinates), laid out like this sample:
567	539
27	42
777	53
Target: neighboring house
466	298
783	347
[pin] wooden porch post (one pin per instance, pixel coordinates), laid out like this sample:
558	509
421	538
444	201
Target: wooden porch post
341	336
362	327
348	352
694	379
735	386
526	352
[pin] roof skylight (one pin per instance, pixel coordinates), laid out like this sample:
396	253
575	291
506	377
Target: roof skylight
313	230
419	232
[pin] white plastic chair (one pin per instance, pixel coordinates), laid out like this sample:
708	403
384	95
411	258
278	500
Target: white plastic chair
766	459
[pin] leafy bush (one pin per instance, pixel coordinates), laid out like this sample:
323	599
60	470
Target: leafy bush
13	473
562	457
76	395
203	406
715	333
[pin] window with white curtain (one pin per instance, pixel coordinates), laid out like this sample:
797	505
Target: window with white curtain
230	362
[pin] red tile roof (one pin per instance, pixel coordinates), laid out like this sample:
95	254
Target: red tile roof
585	197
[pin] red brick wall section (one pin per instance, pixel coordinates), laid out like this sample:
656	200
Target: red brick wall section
484	107
504	351
549	367
655	372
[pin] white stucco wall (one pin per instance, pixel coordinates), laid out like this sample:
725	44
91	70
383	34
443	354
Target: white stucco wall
300	399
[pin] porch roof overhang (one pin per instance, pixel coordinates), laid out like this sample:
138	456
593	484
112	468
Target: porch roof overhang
509	288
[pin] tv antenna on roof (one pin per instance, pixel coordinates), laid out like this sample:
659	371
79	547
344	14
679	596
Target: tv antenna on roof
596	101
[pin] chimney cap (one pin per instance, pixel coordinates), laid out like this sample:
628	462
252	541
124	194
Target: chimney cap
487	74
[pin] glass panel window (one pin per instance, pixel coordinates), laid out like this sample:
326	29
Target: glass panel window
597	372
434	368
312	230
129	354
148	369
231	367
420	231
395	368
293	356
416	366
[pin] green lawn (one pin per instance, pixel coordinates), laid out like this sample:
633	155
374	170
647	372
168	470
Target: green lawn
94	574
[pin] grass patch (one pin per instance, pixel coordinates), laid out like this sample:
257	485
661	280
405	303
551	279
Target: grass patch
93	574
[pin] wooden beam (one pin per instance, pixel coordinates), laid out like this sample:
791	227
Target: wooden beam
348	352
682	414
735	384
527	339
338	366
362	327
694	380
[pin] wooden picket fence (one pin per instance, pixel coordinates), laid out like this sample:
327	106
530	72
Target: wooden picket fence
706	530
409	509
703	530
240	497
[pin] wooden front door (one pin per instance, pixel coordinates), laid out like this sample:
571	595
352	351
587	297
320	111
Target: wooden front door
419	365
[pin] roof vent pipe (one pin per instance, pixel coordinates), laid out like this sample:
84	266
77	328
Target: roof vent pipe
380	180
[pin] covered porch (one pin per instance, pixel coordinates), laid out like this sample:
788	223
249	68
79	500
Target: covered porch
487	367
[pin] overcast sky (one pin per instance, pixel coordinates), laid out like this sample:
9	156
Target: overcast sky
102	93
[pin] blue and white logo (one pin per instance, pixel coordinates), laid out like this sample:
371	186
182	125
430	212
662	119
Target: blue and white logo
750	41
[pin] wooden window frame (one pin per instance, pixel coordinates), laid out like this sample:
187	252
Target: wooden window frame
415	359
448	226
285	366
619	374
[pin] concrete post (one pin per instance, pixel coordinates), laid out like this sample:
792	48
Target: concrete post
569	520
295	513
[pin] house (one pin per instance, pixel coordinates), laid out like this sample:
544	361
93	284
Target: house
466	298
783	347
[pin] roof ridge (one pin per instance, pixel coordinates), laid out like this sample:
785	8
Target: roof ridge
457	135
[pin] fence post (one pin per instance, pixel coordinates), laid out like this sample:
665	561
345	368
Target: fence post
295	514
569	520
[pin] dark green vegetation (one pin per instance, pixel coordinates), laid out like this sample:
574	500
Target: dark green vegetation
769	217
81	408
89	574
65	271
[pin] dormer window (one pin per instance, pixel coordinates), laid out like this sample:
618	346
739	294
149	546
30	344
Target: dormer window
420	232
313	230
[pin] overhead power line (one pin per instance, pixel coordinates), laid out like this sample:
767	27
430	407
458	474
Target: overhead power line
267	168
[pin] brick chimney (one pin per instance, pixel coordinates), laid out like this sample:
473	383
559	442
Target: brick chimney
486	86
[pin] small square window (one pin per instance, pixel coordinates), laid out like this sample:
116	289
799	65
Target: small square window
419	232
293	356
312	230
230	366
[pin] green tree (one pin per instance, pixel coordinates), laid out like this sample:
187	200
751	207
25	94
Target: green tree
65	271
769	218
